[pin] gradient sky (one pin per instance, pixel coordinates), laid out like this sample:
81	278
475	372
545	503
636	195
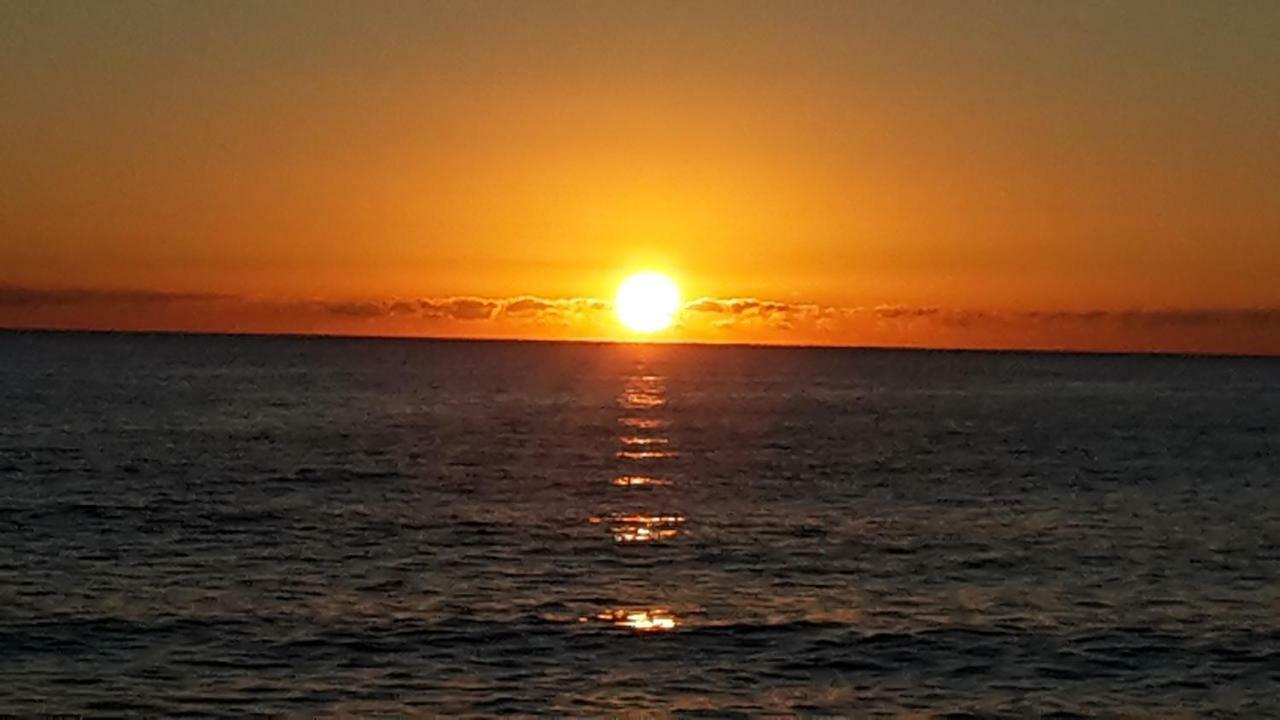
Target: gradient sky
1094	175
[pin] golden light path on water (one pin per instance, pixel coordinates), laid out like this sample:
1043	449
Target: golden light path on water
643	454
639	481
641	528
642	442
641	423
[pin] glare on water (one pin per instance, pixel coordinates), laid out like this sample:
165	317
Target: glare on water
639	481
644	442
641	619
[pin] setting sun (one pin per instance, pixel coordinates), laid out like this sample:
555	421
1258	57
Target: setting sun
647	302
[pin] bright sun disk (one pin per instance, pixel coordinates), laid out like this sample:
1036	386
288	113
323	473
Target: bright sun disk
647	302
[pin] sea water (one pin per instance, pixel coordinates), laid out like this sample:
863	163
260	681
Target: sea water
223	526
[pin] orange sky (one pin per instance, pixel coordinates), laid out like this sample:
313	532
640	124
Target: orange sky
1067	175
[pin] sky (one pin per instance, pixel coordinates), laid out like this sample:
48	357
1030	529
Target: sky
1070	175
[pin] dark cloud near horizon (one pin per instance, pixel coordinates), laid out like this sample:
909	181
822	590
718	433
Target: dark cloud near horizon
524	307
905	311
782	314
754	311
464	308
527	305
727	312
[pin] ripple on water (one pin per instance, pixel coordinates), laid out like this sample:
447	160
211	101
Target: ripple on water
640	528
639	619
639	481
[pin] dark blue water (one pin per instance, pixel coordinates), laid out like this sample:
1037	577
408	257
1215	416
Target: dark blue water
225	526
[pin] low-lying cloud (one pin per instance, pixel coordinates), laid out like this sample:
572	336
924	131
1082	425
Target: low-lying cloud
468	309
703	318
746	310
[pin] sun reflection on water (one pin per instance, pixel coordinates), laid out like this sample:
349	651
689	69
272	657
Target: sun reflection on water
631	528
647	519
642	440
642	401
641	534
643	392
642	423
640	619
643	454
639	481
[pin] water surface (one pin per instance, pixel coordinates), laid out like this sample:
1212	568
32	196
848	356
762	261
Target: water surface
216	526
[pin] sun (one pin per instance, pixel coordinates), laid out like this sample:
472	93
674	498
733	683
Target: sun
647	302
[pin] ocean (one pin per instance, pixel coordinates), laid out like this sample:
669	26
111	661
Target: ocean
224	526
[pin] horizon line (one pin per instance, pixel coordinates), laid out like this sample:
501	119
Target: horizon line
660	343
